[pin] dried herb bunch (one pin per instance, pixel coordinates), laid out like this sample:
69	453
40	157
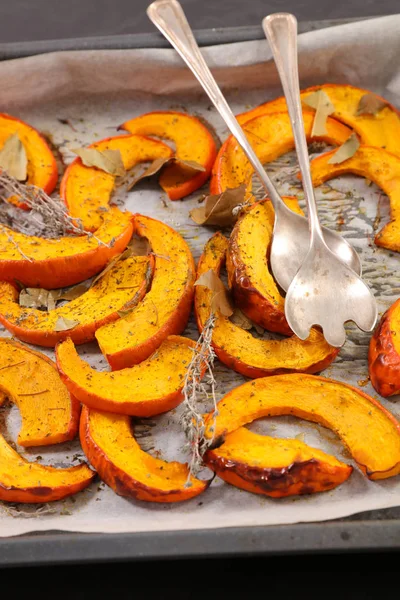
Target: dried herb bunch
199	386
49	215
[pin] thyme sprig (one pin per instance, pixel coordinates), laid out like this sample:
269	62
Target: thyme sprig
199	386
52	211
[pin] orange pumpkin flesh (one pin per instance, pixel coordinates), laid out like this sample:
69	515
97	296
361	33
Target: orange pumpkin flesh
145	390
370	432
57	263
23	481
254	289
49	414
119	289
87	190
377	165
42	167
275	467
381	130
384	353
111	448
238	349
165	309
193	142
270	136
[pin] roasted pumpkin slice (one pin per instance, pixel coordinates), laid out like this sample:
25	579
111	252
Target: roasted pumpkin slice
42	167
193	143
377	165
57	263
275	467
254	289
270	136
23	481
370	432
238	349
111	448
165	309
87	190
120	289
381	129
49	414
384	353
150	388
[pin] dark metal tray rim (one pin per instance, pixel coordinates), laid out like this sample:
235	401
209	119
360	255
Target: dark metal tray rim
204	37
56	547
60	547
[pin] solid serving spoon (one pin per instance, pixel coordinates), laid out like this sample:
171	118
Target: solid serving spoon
325	291
290	240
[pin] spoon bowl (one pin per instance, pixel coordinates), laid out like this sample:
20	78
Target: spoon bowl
288	249
326	292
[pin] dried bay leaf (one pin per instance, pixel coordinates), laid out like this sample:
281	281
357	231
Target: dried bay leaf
74	292
63	324
13	158
346	150
189	164
153	169
321	98
38	298
159	163
239	318
221	210
109	161
370	104
220	300
323	106
47	299
139	246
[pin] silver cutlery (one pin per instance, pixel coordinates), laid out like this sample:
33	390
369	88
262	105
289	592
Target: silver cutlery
290	241
325	291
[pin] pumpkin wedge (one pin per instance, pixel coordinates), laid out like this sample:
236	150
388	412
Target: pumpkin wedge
381	129
377	165
120	289
193	142
57	263
384	353
23	481
49	413
238	349
275	467
370	432
42	167
165	309
150	388
111	448
270	136
254	289
87	190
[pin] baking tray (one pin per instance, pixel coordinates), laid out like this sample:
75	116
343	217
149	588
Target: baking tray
369	531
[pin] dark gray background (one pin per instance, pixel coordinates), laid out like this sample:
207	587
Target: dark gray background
26	20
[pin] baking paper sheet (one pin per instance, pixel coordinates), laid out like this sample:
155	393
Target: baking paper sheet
78	97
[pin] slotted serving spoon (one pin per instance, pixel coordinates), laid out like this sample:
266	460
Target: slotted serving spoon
290	241
325	291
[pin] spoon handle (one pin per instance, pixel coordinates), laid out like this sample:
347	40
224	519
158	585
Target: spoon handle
281	32
170	19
